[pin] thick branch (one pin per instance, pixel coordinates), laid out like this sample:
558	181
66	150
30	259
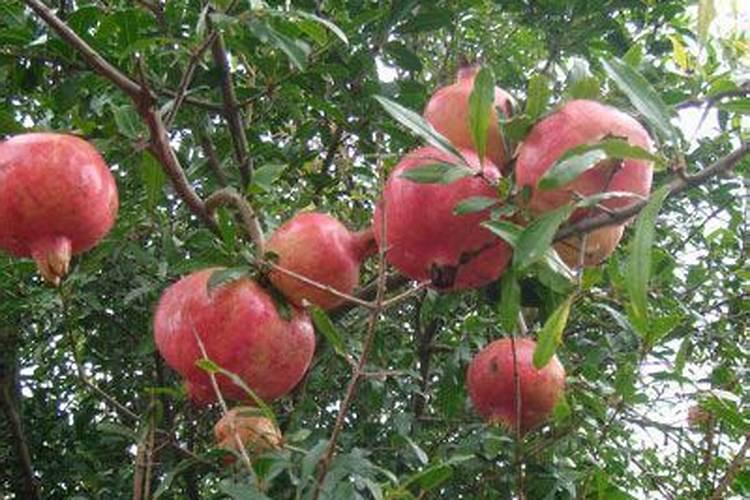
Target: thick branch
96	61
232	110
676	185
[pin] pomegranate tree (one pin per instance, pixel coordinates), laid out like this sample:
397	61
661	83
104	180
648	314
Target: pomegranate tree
448	112
256	432
57	199
322	249
492	389
577	123
426	240
242	332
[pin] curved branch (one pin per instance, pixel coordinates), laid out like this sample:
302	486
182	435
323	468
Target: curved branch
250	224
676	185
734	468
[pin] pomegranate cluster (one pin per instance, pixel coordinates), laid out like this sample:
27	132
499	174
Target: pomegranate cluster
427	240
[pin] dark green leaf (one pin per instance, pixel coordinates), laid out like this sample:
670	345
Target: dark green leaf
325	326
418	125
153	178
550	337
474	204
265	176
568	168
639	262
510	301
296	50
739	106
223	276
642	95
480	105
509	232
536	239
437	173
539	91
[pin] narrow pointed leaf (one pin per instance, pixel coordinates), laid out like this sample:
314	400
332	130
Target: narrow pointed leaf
510	301
537	237
507	231
474	204
538	95
223	276
639	262
550	337
437	173
325	326
418	125
480	105
642	95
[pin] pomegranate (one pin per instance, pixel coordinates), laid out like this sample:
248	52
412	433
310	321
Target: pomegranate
241	331
492	387
577	123
448	112
600	244
256	432
320	248
426	240
57	199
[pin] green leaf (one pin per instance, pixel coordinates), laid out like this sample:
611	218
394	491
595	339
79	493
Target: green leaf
474	204
480	106
581	84
296	50
537	238
509	232
679	54
153	178
642	95
515	129
170	476
207	365
568	168
120	430
680	359
403	56
510	301
325	326
8	123
223	276
325	22
437	173
265	176
550	337
739	106
128	122
579	159
418	125
706	15
639	262
538	93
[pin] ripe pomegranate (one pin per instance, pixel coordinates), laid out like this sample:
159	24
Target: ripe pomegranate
257	433
448	112
600	244
322	249
425	240
577	123
242	332
492	387
57	199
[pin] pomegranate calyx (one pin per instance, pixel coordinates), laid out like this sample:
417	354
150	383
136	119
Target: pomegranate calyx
364	244
52	256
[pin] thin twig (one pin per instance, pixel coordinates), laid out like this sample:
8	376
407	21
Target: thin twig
212	158
250	223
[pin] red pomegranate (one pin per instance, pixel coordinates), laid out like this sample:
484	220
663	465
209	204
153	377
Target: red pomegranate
577	123
57	199
600	244
426	240
242	332
257	433
448	112
322	249
492	387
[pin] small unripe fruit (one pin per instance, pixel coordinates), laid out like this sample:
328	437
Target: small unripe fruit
320	248
448	112
242	332
577	123
425	240
257	433
57	199
492	388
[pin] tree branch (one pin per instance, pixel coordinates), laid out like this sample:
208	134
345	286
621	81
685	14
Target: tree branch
676	185
711	100
232	111
733	470
250	223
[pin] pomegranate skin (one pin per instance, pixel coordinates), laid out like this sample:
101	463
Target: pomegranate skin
57	199
256	432
576	123
448	111
492	388
425	240
242	332
322	249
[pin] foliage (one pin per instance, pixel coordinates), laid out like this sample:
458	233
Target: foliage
79	363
